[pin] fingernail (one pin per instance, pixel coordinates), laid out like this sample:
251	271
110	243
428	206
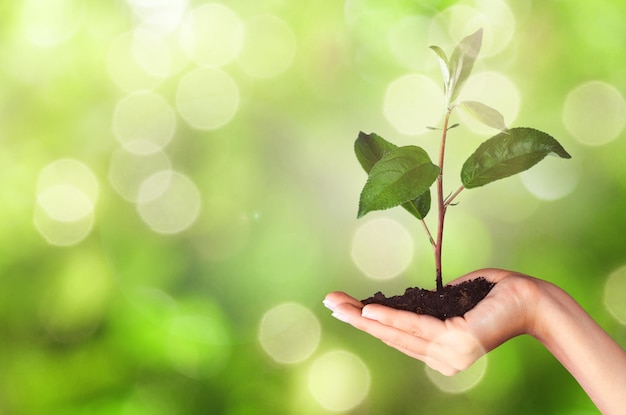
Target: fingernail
340	316
365	312
329	304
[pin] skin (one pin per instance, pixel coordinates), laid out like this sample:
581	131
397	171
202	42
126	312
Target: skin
518	304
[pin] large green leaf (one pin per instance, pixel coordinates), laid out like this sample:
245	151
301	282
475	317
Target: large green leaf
400	176
508	153
420	206
369	149
462	62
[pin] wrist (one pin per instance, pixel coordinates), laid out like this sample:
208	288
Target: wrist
529	297
549	308
539	299
595	360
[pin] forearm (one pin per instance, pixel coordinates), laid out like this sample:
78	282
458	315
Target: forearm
596	361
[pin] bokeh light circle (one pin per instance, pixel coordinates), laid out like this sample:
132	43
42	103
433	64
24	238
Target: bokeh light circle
458	21
289	333
168	202
595	113
49	23
162	16
62	233
207	98
615	294
552	178
125	70
65	203
66	196
412	103
269	47
462	381
212	34
152	53
382	248
492	89
499	29
144	122
69	172
468	243
339	380
127	171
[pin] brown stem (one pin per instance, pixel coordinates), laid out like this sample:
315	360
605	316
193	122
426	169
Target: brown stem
441	205
430	236
449	199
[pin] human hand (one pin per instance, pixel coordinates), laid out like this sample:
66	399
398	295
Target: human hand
452	345
517	304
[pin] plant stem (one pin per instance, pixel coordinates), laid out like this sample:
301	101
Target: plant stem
441	205
449	199
430	236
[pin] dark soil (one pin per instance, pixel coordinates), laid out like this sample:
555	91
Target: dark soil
455	300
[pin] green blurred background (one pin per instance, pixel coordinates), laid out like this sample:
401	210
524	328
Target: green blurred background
180	192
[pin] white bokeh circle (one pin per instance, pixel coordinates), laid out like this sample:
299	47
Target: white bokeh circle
382	248
207	98
169	202
412	103
339	380
289	333
595	113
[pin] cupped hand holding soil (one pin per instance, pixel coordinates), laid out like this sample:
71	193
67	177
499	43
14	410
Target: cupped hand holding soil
518	304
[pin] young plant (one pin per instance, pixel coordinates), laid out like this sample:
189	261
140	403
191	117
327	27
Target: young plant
403	176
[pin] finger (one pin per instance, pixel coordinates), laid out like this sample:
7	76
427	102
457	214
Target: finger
441	366
347	312
333	299
427	338
418	325
433	353
405	342
408	352
457	347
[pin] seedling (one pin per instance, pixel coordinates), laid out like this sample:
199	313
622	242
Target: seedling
403	176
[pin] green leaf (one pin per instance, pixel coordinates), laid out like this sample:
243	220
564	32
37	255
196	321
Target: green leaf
508	153
400	176
462	62
485	114
420	206
369	149
443	65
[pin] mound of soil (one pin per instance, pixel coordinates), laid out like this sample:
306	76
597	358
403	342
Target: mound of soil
455	300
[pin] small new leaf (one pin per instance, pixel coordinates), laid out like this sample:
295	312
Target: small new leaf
508	153
485	114
402	175
462	62
443	65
